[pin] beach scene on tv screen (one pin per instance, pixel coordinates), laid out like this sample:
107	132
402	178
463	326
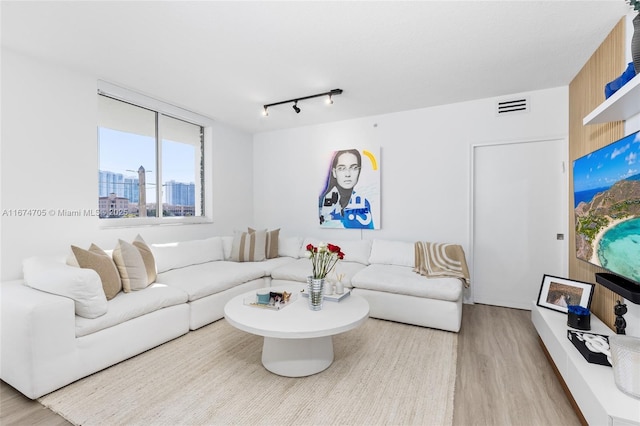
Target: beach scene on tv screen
606	186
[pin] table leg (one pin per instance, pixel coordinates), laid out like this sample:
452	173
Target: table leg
297	357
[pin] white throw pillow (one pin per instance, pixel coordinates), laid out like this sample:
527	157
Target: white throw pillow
289	246
184	253
308	240
81	285
227	245
398	253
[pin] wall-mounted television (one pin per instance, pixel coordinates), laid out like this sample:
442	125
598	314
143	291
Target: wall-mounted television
606	186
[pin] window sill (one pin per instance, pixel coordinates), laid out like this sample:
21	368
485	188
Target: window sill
153	221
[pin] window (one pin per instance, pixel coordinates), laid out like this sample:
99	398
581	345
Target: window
151	166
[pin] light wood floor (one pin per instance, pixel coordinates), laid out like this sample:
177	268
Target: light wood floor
503	377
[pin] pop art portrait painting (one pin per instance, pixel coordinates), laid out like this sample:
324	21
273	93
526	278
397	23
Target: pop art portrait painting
350	197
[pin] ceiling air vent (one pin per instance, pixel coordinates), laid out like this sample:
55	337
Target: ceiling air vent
512	106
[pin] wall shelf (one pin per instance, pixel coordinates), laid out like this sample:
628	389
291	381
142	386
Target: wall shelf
621	105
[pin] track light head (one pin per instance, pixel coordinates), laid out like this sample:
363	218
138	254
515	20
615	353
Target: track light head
265	112
330	100
296	108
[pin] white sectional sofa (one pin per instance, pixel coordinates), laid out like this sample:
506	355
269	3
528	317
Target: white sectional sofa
382	272
49	340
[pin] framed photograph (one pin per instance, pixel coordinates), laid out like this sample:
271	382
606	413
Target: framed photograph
557	293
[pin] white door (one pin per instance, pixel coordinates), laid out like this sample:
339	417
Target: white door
519	226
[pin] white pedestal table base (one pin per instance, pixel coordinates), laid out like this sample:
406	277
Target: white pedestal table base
297	357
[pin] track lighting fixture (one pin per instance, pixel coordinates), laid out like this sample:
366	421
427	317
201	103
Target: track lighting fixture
296	108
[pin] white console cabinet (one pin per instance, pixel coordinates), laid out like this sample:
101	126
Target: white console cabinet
592	386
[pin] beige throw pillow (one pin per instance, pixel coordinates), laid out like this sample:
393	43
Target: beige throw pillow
248	247
271	243
95	258
147	257
131	266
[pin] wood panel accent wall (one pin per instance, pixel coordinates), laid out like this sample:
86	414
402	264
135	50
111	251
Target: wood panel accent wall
586	92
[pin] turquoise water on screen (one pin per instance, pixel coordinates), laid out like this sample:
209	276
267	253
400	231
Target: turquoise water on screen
619	249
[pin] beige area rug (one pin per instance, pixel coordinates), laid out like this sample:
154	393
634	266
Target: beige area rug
383	373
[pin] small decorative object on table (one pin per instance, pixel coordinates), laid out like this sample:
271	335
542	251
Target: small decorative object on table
593	347
263	296
578	317
339	284
323	259
315	291
338	297
330	297
625	353
328	288
270	299
621	324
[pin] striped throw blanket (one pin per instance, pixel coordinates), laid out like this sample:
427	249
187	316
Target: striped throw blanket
441	260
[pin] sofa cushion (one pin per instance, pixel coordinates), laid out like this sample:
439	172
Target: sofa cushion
402	280
126	306
299	269
212	277
354	250
289	246
131	267
95	258
179	254
82	285
271	264
393	253
248	246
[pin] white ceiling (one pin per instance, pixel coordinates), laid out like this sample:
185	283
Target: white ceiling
226	59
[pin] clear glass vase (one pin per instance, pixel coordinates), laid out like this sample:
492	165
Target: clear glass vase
315	287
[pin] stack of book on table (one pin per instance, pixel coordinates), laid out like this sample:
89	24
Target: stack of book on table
332	297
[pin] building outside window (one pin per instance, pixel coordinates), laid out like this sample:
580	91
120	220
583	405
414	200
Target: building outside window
148	158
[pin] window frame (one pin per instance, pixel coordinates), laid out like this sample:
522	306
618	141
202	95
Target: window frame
144	101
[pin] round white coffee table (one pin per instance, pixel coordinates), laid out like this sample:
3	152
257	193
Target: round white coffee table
297	340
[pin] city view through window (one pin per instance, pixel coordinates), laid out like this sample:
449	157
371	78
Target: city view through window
132	162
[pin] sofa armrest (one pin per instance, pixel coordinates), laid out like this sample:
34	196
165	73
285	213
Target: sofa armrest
37	338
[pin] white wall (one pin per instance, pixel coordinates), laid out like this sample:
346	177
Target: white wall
49	161
425	165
